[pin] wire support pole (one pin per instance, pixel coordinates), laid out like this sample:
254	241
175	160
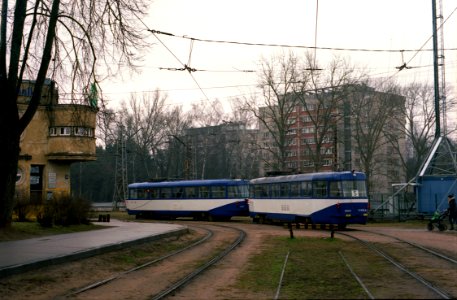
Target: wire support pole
438	70
441	67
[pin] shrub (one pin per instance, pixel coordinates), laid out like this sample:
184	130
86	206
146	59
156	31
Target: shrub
22	207
65	211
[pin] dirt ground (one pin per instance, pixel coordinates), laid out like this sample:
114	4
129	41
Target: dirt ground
217	283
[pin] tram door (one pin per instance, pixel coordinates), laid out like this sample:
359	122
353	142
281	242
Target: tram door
36	184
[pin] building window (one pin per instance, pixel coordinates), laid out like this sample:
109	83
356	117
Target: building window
308	130
292	165
64	131
310	107
326	162
308	163
52	131
291	153
291	132
306	119
325	151
84	131
307	152
67	131
327	140
291	142
307	141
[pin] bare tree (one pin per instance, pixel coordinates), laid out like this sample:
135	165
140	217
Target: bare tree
373	113
65	40
419	113
204	140
300	108
321	97
179	151
146	125
243	157
276	106
207	113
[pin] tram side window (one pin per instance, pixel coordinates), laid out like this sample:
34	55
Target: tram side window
218	192
191	192
154	193
141	194
165	193
133	194
204	192
320	189
243	191
261	191
306	189
275	190
284	190
233	191
294	189
335	189
178	192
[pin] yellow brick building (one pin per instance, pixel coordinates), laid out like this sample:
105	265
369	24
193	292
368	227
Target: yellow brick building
58	135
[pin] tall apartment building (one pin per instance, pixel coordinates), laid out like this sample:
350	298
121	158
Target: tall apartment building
322	134
58	135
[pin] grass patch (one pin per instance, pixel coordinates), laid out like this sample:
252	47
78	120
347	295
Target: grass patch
25	230
314	270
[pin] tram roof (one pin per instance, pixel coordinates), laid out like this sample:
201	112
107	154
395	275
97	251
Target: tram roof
183	183
331	176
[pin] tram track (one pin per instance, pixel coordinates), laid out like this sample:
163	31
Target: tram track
418	262
142	266
177	271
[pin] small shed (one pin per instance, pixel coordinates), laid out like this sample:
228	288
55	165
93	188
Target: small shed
437	177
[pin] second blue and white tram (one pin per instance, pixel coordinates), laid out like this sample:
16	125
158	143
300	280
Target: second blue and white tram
215	199
338	198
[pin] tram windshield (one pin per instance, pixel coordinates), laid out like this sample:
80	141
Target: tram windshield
354	188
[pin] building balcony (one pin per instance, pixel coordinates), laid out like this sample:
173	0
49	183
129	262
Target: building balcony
71	148
71	135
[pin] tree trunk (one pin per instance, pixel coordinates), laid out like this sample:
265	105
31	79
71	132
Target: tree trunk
9	145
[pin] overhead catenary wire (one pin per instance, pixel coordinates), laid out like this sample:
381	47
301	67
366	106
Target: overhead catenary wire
295	46
184	65
171	52
187	67
423	45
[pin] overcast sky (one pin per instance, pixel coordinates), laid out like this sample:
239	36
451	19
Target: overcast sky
347	24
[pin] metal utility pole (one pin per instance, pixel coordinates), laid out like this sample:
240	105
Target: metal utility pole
438	69
120	173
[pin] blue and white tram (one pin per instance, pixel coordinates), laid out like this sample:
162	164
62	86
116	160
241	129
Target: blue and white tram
215	199
337	198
